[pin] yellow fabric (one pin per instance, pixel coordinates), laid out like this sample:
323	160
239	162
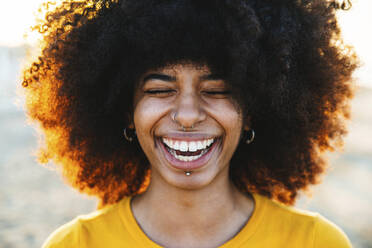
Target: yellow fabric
271	225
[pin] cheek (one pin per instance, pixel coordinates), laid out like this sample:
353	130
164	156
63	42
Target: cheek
146	114
226	114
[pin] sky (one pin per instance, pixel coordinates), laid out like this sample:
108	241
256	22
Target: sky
15	18
17	15
355	25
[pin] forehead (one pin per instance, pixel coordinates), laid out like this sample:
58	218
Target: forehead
183	68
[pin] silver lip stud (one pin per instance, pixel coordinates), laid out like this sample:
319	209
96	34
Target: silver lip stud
188	173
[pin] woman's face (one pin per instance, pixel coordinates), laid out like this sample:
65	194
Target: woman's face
171	98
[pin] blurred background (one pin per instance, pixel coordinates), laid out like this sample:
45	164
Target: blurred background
34	200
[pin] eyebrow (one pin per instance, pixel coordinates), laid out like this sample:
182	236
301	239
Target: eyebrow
161	77
211	77
167	78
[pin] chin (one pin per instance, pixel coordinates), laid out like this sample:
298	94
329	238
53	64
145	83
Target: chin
196	181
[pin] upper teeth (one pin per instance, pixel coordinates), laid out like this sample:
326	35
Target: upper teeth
185	146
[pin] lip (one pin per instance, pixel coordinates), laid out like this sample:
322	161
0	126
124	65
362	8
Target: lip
188	136
190	165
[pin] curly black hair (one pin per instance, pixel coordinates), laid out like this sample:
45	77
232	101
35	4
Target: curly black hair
285	60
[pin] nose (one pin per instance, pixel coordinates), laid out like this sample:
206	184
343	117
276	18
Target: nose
188	112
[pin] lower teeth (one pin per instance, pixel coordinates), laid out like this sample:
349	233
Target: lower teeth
187	158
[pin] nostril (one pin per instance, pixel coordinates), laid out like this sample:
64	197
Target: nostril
187	119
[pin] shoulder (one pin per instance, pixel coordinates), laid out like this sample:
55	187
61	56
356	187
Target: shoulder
307	229
65	236
327	234
73	233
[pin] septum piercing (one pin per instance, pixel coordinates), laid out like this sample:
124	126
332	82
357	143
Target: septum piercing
188	173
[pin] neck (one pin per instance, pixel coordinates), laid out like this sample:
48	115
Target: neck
166	213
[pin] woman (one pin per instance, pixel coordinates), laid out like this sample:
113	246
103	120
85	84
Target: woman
196	123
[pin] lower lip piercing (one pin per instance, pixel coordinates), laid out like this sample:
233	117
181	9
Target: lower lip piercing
188	173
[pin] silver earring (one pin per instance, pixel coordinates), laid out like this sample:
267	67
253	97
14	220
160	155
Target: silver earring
251	138
130	136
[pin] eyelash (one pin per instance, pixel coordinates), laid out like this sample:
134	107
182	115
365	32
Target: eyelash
217	92
156	92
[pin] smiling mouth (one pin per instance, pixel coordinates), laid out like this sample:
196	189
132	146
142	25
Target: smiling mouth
188	151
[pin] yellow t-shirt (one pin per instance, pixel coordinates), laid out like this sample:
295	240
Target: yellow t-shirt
271	225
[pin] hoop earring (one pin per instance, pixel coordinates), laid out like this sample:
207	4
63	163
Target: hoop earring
132	134
251	137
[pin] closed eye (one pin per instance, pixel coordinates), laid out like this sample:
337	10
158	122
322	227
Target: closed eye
158	92
217	92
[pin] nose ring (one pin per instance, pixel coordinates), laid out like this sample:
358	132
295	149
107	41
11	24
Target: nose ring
183	128
174	117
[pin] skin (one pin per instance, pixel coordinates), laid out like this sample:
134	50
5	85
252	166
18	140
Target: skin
203	209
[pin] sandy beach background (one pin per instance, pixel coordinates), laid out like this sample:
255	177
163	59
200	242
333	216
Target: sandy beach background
34	201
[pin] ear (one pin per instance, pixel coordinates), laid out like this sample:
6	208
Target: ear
130	121
247	124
